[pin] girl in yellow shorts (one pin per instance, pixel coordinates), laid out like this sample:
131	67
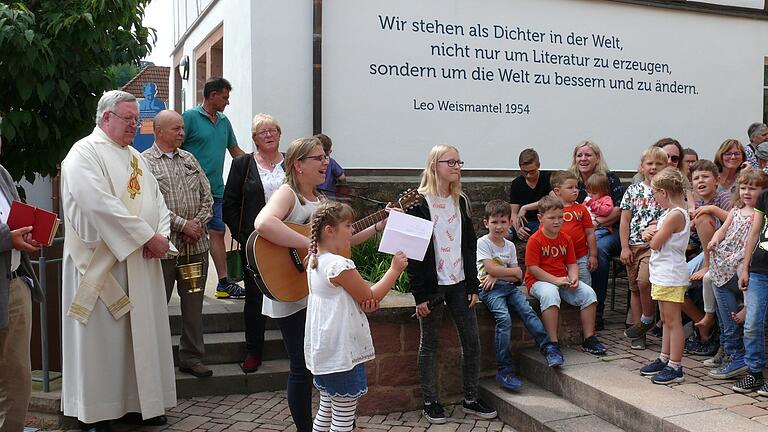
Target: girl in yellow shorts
669	273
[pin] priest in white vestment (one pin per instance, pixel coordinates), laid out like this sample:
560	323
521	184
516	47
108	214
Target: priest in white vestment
116	341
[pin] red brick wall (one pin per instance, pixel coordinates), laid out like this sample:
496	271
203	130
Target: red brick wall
393	377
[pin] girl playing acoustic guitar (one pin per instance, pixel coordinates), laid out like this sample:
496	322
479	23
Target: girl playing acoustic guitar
295	201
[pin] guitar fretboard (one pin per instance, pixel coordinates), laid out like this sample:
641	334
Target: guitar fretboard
369	220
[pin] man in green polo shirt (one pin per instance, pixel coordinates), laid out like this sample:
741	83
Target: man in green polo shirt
208	135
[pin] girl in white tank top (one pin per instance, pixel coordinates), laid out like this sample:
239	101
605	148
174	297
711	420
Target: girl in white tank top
669	275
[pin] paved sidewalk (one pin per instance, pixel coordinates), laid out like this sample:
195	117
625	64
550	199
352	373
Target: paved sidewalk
696	383
269	412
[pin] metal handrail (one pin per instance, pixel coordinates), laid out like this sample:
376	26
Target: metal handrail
42	263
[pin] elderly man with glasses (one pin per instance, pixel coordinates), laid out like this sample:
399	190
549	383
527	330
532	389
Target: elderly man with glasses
116	341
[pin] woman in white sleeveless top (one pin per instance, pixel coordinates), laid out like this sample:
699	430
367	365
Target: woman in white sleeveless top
305	166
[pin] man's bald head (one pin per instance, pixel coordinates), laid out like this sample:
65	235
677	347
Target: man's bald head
169	130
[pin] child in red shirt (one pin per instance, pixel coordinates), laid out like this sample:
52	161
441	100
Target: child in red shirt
552	275
577	223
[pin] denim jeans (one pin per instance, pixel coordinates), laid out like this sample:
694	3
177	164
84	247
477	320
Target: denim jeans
608	245
502	301
532	225
756	299
727	299
551	295
465	320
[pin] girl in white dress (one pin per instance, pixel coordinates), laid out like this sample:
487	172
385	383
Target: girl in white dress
337	339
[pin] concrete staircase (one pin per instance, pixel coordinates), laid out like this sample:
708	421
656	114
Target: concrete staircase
590	394
224	337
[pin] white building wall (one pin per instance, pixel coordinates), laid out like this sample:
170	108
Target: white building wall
281	38
268	61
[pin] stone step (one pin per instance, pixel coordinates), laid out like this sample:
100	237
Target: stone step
626	399
535	409
230	347
229	379
219	316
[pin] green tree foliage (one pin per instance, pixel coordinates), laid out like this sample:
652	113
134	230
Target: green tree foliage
123	73
55	58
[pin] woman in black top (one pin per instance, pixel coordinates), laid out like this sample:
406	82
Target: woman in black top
252	180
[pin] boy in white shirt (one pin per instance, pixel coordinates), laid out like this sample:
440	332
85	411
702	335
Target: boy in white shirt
498	272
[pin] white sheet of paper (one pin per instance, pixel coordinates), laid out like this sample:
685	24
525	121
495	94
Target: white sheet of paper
406	233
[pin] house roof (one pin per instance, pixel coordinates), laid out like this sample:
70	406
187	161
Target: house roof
156	74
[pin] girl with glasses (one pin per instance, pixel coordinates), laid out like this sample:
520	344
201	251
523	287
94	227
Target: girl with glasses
447	275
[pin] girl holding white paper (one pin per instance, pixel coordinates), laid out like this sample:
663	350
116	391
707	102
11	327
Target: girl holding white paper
447	272
338	340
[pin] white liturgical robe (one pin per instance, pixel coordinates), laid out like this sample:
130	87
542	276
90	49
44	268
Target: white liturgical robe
115	366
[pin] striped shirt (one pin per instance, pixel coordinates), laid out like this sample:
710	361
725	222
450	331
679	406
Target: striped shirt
187	194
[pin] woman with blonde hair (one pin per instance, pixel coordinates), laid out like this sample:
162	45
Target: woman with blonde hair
252	180
588	160
295	201
447	275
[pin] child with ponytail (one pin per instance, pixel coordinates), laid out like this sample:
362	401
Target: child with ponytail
337	339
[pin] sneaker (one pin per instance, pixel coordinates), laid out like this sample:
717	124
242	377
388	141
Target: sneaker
229	290
653	368
199	370
638	330
729	370
638	343
748	383
553	355
720	358
479	409
763	390
669	375
509	380
708	348
593	346
434	413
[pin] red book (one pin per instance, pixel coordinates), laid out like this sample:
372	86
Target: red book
44	223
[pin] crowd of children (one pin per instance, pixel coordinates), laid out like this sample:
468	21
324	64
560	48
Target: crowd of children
679	203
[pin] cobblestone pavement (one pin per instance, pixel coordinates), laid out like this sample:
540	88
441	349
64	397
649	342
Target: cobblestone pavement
268	411
696	383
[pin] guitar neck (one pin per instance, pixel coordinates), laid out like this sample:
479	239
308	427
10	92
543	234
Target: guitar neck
369	220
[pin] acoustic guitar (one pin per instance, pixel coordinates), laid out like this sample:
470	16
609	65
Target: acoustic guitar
279	272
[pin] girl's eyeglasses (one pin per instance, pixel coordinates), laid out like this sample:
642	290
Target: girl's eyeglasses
453	162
